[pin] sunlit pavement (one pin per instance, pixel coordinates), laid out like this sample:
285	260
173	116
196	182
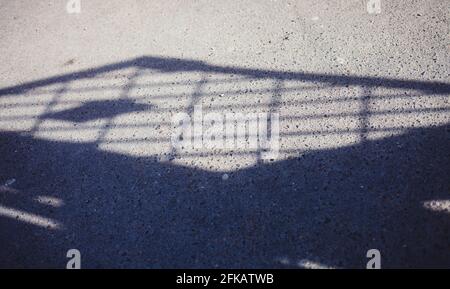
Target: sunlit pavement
88	161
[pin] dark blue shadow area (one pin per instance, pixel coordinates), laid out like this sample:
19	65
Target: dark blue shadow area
98	109
328	206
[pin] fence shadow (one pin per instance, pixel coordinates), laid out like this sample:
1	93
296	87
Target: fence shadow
325	206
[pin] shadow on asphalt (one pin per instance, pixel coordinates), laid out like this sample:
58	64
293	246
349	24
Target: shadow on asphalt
326	206
95	110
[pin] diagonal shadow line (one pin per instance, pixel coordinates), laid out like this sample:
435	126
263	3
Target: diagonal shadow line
123	96
49	106
170	65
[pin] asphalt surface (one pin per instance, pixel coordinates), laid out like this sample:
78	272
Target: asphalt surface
87	161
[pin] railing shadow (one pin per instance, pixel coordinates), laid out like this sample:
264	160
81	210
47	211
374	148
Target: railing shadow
326	206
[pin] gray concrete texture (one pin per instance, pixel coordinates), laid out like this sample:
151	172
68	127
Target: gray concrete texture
87	162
